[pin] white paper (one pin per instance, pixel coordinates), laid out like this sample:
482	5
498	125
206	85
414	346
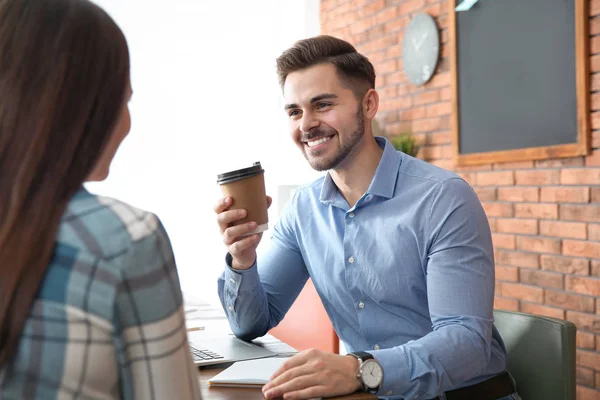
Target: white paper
251	372
466	5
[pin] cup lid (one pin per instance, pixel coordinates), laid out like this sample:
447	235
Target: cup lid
243	173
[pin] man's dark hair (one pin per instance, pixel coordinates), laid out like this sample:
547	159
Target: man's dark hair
354	70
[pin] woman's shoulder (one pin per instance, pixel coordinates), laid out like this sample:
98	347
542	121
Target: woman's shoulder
105	227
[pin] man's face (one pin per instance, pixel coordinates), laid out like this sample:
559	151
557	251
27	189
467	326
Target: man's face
325	118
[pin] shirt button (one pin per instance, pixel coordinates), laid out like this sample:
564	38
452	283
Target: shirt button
351	260
376	347
230	308
351	215
389	393
231	280
361	304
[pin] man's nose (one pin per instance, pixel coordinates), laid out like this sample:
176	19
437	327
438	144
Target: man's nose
308	122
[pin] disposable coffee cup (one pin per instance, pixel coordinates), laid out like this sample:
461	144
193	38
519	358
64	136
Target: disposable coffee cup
247	189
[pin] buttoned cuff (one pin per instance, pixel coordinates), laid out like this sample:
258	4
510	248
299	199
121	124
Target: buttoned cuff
395	372
240	280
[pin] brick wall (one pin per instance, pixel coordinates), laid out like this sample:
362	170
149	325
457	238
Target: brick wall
545	215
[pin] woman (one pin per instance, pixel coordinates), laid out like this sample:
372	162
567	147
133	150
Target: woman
90	301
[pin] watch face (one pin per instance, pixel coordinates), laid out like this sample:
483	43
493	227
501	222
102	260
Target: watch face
371	373
420	48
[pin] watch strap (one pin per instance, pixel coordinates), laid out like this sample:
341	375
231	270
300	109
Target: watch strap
362	356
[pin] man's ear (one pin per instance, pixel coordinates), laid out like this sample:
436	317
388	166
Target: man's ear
370	103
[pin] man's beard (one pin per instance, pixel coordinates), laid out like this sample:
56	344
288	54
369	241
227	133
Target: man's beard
319	164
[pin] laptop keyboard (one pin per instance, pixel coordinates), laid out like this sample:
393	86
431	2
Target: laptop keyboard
199	355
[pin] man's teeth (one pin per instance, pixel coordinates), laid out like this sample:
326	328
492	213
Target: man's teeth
318	141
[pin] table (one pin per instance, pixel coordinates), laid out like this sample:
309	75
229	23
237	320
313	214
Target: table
225	393
213	321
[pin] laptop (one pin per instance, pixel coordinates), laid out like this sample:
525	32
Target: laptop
225	349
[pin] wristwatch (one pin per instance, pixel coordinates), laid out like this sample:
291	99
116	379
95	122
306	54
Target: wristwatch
370	373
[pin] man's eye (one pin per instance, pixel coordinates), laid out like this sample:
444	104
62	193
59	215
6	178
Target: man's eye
293	113
322	105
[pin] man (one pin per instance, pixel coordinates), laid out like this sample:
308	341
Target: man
399	251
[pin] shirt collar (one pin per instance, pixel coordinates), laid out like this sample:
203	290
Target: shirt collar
384	180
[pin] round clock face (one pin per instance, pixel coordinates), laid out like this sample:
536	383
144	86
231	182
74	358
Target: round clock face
420	48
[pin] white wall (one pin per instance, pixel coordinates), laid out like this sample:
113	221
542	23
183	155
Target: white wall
206	100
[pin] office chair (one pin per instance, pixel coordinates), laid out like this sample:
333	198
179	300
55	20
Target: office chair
541	354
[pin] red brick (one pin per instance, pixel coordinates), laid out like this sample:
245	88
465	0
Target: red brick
587	213
594	7
517	259
492	223
587	359
396	25
523	226
538	244
495	178
485	193
595	105
593	160
412	114
470	177
585	376
574	230
582	285
502	241
585	340
439	138
387	67
594	67
595	45
595	195
510	274
560	162
430	96
519	194
502	303
596	137
535	177
580	176
439	80
541	278
595	120
598	380
581	249
410	6
435	152
498	209
565	265
445	164
586	322
538	309
398	103
595	82
594	232
565	194
446	94
522	292
595	25
536	210
595	271
585	393
514	165
386	15
569	301
438	109
427	125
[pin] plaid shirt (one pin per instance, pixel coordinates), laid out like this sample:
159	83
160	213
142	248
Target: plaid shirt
108	321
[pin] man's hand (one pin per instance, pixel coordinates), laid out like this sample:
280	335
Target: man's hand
242	250
314	373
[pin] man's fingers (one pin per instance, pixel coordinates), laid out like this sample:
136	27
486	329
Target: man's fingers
233	233
225	218
306	379
222	205
269	201
295	361
243	244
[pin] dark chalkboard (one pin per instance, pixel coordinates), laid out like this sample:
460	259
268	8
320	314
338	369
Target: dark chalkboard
520	77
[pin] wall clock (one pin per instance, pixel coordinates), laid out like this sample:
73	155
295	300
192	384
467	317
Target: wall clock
420	48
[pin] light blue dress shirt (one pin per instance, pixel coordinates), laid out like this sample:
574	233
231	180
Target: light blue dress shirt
406	274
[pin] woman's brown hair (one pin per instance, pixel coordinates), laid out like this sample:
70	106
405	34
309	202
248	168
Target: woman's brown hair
64	73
